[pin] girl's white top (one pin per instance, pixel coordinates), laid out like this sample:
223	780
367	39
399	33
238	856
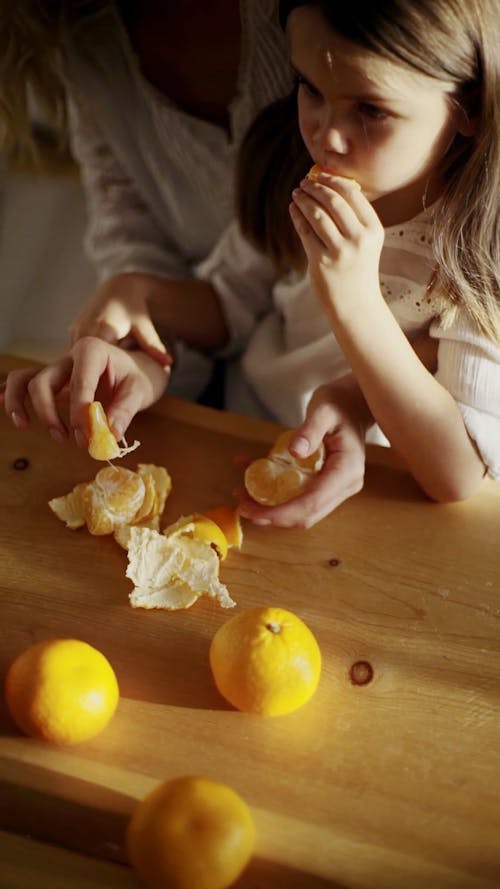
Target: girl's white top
290	349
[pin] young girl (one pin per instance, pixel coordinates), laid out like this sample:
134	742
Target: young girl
401	240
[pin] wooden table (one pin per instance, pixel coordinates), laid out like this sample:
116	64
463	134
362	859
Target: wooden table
394	783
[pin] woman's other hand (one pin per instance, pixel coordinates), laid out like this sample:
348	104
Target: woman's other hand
119	309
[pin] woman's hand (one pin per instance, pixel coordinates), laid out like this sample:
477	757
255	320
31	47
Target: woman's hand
342	237
125	382
336	416
119	309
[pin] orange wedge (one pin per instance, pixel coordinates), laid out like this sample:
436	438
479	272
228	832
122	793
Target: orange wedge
102	443
70	507
316	169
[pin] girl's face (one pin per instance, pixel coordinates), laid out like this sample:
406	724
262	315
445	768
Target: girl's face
366	118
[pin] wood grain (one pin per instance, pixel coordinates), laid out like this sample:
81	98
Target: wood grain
393	784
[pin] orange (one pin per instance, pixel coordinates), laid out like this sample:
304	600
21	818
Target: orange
265	660
62	690
116	499
228	520
102	443
113	498
190	833
280	476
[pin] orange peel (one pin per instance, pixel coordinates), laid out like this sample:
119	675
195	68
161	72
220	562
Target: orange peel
172	570
228	520
280	476
203	528
102	443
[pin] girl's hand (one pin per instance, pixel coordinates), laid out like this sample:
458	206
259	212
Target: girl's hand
331	419
119	309
342	237
125	382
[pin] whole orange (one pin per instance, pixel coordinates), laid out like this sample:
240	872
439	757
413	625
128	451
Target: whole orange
61	690
265	660
190	833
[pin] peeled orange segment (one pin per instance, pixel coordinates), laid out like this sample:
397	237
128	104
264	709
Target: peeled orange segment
102	443
202	528
312	463
316	169
162	483
280	476
148	507
112	499
172	571
271	481
228	520
70	508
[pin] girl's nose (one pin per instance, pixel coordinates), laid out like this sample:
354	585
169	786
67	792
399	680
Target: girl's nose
332	136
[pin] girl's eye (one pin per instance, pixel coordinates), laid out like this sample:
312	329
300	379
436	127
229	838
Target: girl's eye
300	81
372	111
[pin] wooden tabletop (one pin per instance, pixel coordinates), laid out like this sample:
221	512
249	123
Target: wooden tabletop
392	784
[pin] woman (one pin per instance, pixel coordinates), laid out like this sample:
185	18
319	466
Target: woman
160	95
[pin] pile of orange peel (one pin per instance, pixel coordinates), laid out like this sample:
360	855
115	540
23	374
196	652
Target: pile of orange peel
172	568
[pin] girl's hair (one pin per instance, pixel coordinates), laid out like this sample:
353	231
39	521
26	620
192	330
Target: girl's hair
271	161
456	41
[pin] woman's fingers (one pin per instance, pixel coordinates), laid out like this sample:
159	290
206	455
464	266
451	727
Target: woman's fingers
15	393
127	401
42	387
146	335
90	358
